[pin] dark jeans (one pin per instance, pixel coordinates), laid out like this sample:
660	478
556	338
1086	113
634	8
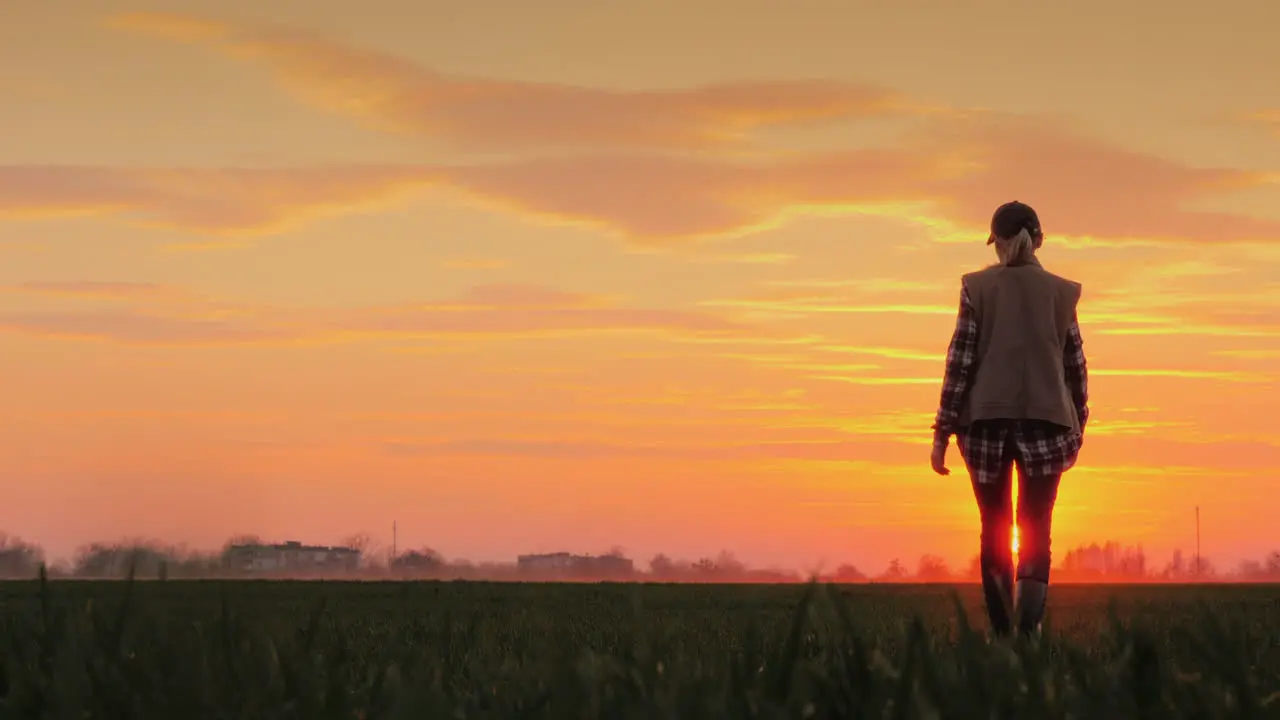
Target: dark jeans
1036	498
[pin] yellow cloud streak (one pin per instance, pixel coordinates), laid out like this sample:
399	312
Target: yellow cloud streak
475	264
869	285
1191	329
886	352
1255	354
881	380
794	306
1225	375
491	311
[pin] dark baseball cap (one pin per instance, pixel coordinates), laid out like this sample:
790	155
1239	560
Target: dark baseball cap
1012	218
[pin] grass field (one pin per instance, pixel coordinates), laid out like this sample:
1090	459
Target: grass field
191	650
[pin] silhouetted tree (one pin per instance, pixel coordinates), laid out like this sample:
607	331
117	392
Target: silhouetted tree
196	565
424	561
143	559
19	559
848	573
705	567
728	564
359	541
242	539
662	566
932	568
1111	560
974	570
1251	570
895	572
1176	569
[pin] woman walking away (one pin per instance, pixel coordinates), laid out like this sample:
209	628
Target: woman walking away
1015	394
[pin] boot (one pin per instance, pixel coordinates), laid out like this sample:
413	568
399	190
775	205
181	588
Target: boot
1031	596
997	592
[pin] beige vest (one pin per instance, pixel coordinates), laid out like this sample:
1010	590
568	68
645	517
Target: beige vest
1023	314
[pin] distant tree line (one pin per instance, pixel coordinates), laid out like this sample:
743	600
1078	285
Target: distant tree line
145	559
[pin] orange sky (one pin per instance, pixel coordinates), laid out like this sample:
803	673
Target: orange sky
675	276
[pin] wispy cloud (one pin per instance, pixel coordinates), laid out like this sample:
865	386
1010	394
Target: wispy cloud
1250	353
900	425
547	448
800	364
389	92
815	305
658	198
868	296
879	380
211	200
1077	183
913	426
813	358
1161	473
950	177
950	174
759	258
1132	427
1269	118
475	264
497	310
1175	327
1185	374
631	175
1181	299
892	353
97	290
871	285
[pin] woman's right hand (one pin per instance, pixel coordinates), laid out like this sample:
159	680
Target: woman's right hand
939	459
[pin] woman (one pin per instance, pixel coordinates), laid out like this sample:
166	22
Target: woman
1015	394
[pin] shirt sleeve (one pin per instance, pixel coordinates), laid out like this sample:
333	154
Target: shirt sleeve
962	355
1077	372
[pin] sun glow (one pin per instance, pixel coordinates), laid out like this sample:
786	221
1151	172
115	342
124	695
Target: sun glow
1014	541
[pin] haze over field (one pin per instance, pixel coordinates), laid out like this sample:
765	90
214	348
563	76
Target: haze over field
676	276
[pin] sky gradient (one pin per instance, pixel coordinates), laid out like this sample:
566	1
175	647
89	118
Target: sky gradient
671	276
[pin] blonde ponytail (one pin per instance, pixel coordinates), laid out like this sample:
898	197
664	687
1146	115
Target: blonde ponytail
1016	250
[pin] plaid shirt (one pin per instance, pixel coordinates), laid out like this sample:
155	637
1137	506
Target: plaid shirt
1046	448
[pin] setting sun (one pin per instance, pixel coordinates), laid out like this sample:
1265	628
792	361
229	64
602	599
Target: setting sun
1014	542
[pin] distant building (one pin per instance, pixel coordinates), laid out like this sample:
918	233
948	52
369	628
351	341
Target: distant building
565	564
545	563
290	557
418	561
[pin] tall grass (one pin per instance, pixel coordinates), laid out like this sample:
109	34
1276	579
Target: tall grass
193	650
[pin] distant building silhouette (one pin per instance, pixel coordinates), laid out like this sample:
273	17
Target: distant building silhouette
291	556
565	564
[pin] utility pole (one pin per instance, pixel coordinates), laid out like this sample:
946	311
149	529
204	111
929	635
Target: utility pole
1198	566
393	540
